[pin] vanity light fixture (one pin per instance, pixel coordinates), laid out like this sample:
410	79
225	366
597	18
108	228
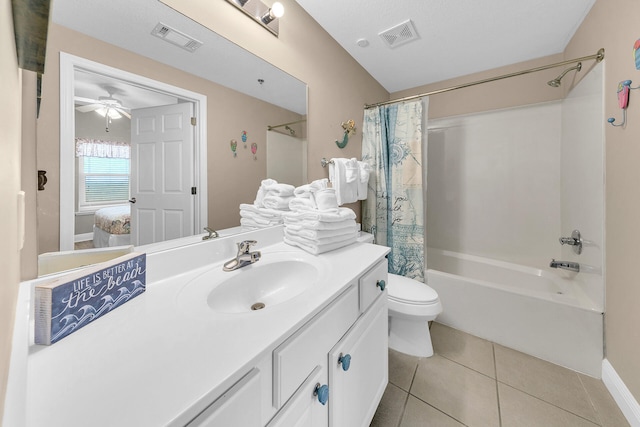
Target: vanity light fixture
276	11
264	15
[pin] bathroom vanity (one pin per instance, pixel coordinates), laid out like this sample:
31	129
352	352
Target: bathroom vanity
190	351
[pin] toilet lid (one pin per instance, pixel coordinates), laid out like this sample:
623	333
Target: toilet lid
410	291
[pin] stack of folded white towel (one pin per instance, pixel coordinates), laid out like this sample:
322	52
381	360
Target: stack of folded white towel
349	177
272	201
315	223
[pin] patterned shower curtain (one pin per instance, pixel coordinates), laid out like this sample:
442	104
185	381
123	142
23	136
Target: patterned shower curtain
394	209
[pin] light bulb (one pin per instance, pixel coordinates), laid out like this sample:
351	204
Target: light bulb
277	9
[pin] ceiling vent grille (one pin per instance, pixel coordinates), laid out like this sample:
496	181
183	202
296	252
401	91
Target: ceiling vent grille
176	37
400	34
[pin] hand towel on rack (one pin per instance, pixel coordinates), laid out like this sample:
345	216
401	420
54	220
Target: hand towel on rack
346	191
363	179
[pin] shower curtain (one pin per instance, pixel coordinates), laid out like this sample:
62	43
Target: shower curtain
394	209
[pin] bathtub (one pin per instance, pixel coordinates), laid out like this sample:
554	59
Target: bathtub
527	309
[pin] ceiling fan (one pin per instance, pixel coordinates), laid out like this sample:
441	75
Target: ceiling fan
106	106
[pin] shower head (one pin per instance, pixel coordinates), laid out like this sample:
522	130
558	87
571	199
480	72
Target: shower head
556	82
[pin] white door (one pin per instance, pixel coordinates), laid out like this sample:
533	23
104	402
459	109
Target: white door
162	173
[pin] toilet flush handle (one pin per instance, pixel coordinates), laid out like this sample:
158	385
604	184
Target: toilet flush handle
381	284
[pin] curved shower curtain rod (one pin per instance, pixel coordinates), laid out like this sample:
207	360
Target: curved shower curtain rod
598	57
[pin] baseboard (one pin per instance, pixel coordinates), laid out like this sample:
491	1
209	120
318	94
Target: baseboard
82	237
621	394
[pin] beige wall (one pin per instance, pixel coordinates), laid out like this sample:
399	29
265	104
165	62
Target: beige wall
231	181
613	24
338	86
10	134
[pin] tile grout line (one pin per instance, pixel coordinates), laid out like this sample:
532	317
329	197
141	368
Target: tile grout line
495	372
595	410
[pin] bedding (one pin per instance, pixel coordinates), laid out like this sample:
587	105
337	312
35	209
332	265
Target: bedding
112	226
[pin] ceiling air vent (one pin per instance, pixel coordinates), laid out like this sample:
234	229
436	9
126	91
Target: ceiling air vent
176	37
400	34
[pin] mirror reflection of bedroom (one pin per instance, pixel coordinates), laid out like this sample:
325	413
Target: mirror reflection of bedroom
103	158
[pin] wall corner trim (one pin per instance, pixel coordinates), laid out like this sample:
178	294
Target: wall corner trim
621	394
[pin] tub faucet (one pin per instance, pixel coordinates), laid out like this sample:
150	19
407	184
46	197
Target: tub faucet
244	256
566	265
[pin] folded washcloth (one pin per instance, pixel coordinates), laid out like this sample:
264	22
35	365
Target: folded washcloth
277	202
317	225
318	235
302	204
346	191
305	191
339	214
326	199
363	179
315	248
276	189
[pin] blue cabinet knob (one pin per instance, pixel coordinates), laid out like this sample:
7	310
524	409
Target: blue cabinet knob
322	391
345	361
381	284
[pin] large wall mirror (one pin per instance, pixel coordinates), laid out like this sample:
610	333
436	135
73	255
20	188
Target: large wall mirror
145	56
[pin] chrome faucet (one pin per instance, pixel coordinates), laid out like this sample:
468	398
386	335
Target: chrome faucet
212	233
244	256
566	265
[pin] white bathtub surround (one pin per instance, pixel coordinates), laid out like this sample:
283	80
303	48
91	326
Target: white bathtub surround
621	394
155	361
527	309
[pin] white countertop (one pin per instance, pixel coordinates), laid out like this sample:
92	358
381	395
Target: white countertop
154	362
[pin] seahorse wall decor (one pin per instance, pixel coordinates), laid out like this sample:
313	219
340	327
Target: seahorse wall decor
349	129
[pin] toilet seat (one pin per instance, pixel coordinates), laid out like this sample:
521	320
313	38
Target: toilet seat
409	291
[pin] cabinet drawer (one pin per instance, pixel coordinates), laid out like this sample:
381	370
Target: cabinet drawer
294	359
369	288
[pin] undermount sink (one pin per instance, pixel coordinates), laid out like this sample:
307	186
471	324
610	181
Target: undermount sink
277	278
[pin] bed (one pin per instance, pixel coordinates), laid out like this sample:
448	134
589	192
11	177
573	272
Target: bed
112	226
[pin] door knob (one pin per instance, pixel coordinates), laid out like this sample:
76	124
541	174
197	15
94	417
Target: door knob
322	392
345	361
381	284
132	200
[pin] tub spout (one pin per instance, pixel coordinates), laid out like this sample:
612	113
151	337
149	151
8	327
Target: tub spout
566	265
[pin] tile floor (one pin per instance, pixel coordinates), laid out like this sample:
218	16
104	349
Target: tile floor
474	382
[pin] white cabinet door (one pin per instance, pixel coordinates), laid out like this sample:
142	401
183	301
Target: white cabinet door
238	406
304	408
356	391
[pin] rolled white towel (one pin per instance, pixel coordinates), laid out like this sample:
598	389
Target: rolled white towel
326	199
262	191
276	189
305	191
302	204
277	202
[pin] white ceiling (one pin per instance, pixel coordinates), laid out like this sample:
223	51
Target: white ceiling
128	24
456	37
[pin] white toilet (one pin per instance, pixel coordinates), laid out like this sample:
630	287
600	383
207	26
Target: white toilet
412	305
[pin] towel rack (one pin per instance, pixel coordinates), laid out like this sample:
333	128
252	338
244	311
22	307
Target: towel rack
324	162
